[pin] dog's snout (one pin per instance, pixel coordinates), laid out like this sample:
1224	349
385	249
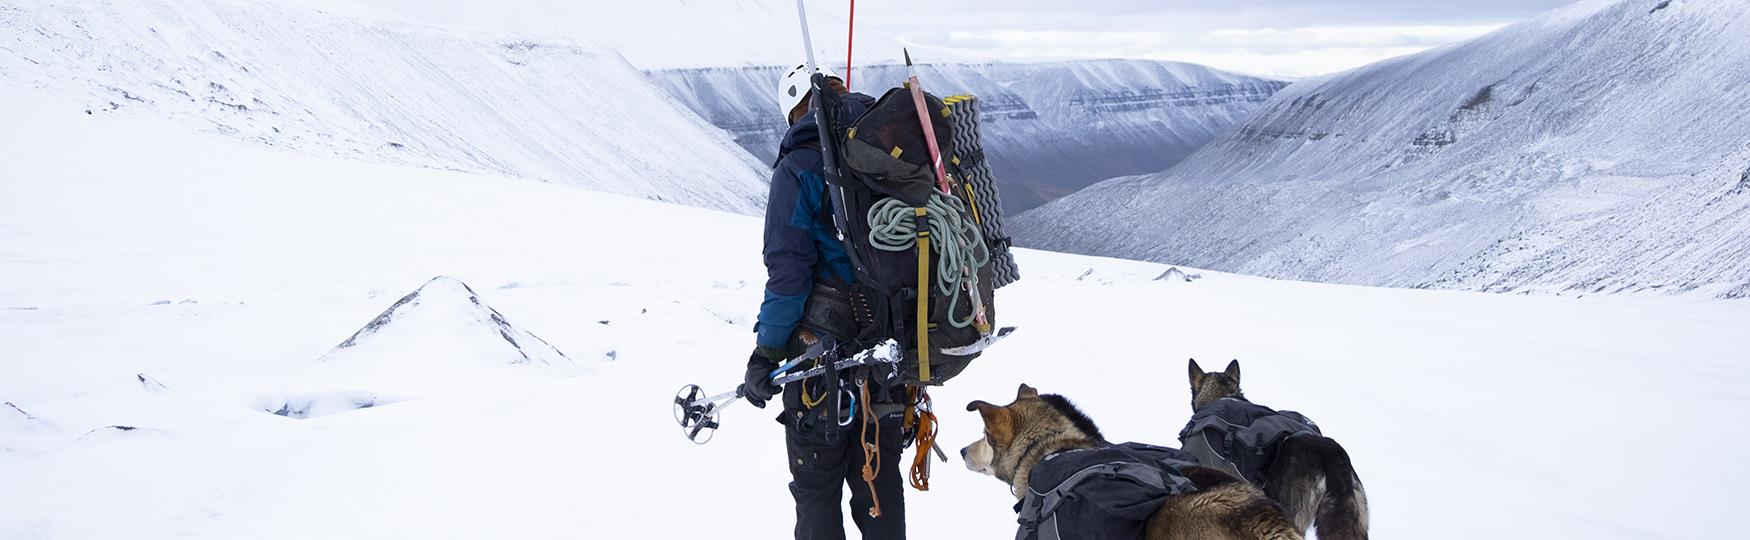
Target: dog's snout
965	451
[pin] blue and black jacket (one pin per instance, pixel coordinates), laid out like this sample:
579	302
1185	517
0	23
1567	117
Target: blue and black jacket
801	243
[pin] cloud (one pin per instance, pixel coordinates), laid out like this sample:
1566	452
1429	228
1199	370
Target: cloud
1284	38
1282	52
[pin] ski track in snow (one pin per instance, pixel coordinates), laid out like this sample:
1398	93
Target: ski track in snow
227	272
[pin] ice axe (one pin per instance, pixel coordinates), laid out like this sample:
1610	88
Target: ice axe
700	415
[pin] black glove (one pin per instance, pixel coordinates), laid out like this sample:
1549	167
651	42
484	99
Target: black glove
757	385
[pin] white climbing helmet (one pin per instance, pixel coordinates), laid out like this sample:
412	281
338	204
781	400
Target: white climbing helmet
795	85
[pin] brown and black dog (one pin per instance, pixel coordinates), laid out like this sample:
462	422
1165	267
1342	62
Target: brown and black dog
1018	436
1309	475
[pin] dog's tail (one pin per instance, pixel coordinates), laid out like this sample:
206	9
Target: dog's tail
1314	480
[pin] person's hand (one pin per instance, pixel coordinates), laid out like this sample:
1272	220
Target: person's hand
757	386
837	86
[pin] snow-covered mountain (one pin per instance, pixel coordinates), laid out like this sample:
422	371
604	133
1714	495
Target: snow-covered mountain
356	85
1051	128
1602	147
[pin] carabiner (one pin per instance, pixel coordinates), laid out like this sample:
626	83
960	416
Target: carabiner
851	414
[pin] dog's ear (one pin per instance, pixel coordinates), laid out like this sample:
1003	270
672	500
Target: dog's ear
997	420
1025	392
1196	374
1233	371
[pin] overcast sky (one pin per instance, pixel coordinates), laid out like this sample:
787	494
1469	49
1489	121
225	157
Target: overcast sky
1284	38
1292	38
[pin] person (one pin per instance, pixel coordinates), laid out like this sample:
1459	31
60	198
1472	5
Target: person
805	264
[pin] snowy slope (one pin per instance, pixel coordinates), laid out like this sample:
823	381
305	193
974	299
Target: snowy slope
664	34
347	84
186	287
1051	128
1599	148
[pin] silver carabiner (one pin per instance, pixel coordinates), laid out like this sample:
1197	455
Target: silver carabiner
850	414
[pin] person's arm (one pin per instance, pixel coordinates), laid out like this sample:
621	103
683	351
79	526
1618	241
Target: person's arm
789	257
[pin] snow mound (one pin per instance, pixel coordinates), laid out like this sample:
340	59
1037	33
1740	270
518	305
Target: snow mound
440	339
321	404
150	384
111	433
1175	275
445	319
13	418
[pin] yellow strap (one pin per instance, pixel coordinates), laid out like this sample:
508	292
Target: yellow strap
923	322
806	400
973	200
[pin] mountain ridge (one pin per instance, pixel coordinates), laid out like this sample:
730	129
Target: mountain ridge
1051	128
1543	137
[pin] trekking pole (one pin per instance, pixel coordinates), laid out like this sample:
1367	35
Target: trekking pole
700	415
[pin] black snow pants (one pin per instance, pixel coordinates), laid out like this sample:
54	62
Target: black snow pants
824	461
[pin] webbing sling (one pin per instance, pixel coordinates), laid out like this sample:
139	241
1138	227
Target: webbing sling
923	321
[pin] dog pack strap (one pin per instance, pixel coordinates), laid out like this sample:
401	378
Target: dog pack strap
1197	444
1274	429
1146	475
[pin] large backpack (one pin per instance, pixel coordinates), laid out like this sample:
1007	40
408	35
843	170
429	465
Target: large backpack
927	262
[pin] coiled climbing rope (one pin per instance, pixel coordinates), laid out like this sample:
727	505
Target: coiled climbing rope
957	241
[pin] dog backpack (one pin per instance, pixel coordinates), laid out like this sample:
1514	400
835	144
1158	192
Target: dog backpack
1242	437
927	262
1100	493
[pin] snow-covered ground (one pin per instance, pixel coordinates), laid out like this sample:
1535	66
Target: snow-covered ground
188	286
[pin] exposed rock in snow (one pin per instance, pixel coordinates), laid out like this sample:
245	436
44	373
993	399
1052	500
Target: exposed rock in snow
1598	148
320	404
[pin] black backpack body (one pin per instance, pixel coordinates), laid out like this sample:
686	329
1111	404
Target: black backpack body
1241	436
1100	493
887	207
